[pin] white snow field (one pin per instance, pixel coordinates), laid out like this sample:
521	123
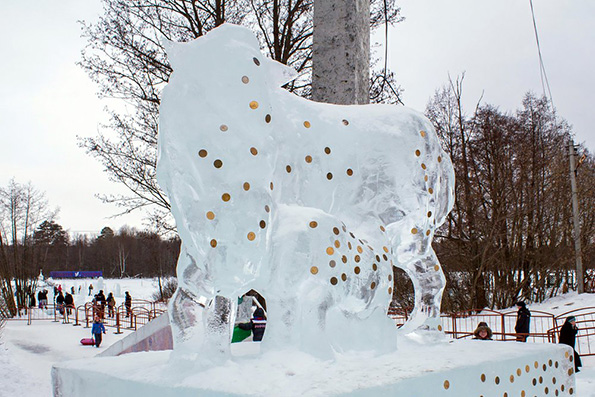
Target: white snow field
28	353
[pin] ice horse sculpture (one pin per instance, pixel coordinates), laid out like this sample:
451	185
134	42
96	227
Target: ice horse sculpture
310	204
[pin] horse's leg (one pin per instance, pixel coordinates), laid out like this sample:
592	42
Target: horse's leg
218	326
281	331
313	323
200	322
428	282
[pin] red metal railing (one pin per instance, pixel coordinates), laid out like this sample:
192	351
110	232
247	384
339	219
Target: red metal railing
585	320
462	324
140	313
544	327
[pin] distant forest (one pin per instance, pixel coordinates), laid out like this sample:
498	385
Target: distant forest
27	249
125	253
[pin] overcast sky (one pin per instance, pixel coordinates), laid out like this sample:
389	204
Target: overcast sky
46	100
493	42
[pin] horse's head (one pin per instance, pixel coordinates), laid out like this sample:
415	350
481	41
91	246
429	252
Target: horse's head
221	57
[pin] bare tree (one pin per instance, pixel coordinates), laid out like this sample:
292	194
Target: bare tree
126	58
22	208
508	236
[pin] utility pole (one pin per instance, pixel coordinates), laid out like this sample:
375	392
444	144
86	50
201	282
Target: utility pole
341	52
575	218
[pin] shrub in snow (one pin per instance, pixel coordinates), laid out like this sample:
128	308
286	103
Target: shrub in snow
167	288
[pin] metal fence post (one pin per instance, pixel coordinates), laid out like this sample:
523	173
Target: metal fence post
503	323
118	322
76	317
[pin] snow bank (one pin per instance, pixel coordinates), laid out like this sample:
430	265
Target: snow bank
460	368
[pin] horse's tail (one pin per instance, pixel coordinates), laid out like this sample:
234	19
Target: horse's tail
446	190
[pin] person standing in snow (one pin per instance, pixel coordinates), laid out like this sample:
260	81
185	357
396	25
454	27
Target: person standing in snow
96	305
32	302
97	330
90	289
60	302
522	322
128	304
69	302
101	303
40	298
43	299
257	325
568	337
111	304
482	332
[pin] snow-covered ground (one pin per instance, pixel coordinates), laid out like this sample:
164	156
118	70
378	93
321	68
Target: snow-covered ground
27	353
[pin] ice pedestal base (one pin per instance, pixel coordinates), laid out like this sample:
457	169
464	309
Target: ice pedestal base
459	368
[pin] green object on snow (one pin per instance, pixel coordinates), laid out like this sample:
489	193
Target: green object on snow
239	334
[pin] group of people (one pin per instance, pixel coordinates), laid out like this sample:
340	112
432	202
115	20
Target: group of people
64	302
567	336
521	328
42	298
100	302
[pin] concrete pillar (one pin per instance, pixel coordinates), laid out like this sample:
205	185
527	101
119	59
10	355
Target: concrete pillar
341	51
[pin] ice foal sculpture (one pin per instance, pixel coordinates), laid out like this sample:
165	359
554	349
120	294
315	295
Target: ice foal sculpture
310	204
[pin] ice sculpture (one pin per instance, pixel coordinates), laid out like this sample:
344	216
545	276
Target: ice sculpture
310	204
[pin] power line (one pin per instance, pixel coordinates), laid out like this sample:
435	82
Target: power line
544	79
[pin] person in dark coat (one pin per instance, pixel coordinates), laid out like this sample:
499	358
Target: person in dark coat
111	304
128	304
60	302
40	298
256	325
100	297
523	320
43	299
568	337
69	302
482	332
32	302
